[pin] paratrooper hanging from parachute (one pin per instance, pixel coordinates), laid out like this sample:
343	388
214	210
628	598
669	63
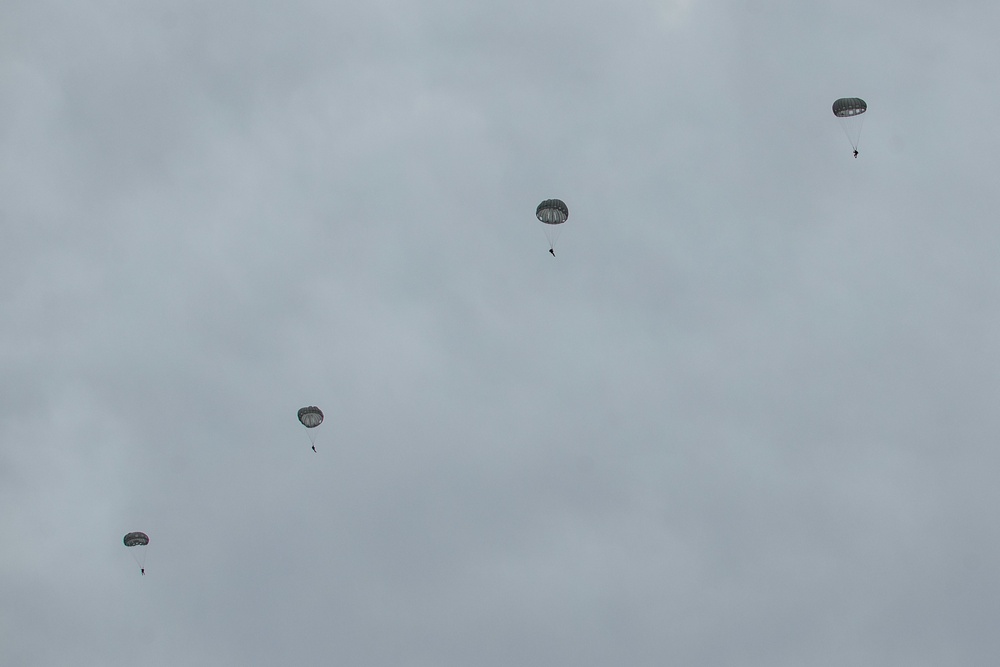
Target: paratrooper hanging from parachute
311	417
552	213
850	112
137	543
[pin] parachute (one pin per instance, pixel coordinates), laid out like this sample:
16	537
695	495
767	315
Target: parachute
849	111
137	542
311	417
552	213
136	539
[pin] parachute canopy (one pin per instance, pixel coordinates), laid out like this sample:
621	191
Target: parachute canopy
311	416
136	539
846	107
552	212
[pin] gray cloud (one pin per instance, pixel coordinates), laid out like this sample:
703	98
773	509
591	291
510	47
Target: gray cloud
743	417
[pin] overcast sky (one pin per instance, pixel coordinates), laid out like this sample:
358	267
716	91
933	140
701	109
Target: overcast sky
746	416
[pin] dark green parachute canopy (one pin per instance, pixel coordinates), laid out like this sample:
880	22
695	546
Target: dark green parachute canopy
311	416
552	212
136	539
846	107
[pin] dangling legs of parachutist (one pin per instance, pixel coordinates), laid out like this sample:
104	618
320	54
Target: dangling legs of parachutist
552	251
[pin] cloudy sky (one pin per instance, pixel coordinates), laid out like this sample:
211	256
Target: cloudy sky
746	416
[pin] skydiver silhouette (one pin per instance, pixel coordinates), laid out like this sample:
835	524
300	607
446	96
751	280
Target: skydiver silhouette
143	570
314	448
855	152
552	251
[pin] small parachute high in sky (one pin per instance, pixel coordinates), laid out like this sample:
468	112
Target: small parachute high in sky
137	543
850	112
311	417
552	213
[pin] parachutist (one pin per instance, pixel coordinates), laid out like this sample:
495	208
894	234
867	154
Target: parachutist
551	213
311	417
139	542
850	112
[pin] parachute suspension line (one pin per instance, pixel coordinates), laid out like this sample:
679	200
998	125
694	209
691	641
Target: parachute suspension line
852	129
139	555
552	234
